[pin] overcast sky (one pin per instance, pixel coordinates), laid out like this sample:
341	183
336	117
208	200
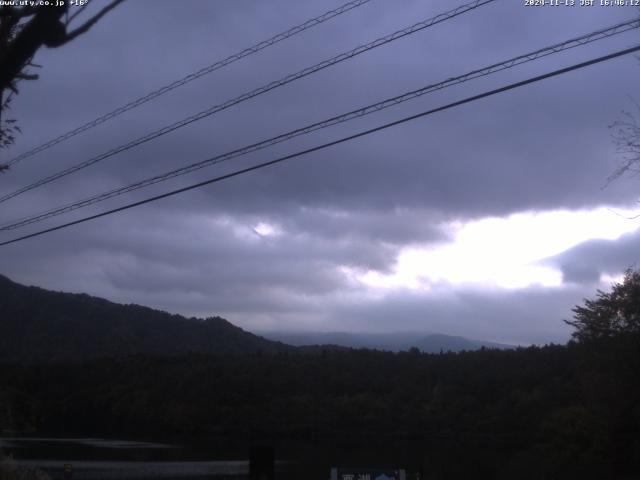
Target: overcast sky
488	220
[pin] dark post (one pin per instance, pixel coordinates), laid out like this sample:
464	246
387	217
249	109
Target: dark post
261	463
68	471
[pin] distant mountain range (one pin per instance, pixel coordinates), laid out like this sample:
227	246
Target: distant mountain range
395	342
38	325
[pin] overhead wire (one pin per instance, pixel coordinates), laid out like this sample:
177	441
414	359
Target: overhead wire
496	67
191	77
253	93
236	173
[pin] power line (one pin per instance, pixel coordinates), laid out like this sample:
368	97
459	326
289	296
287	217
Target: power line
254	93
193	76
528	57
473	98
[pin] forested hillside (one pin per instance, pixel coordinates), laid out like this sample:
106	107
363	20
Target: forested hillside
39	325
558	409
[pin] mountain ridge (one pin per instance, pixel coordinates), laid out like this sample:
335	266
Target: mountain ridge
393	341
39	325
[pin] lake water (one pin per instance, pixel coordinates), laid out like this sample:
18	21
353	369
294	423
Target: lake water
102	459
95	458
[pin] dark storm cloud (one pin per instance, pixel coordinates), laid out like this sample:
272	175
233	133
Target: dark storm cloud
543	147
396	227
588	261
221	261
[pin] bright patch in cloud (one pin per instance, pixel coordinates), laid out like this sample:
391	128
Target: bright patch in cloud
608	280
501	252
266	229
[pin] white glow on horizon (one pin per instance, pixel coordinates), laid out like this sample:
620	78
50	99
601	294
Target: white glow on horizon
501	252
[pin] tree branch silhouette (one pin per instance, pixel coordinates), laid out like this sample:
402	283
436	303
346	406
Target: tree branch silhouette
23	31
